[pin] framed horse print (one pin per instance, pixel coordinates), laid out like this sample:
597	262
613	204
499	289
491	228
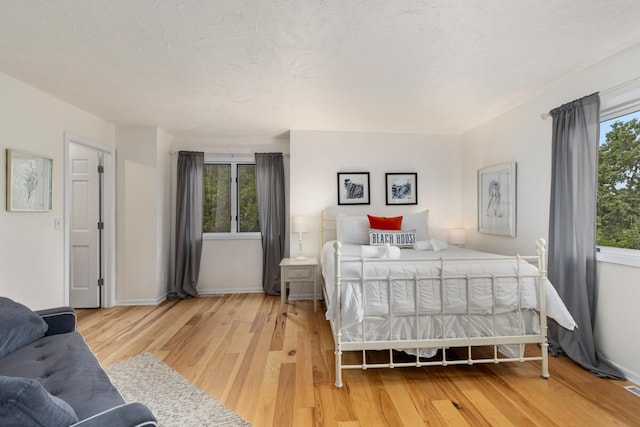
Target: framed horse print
353	188
402	188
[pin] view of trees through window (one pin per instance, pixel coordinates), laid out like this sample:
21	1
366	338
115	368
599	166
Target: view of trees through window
618	220
247	201
223	184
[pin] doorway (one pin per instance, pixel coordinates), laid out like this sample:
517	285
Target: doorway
89	224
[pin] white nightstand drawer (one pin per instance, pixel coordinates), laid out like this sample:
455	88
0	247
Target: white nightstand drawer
294	273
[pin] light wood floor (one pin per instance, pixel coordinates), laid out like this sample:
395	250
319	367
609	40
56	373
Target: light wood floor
277	370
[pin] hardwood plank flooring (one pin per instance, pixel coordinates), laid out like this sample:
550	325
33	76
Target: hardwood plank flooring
278	370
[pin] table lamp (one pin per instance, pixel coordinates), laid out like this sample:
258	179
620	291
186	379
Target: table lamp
456	237
300	226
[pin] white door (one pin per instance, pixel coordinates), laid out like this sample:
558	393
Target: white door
84	217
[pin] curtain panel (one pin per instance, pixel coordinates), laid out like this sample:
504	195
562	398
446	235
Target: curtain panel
270	192
189	205
572	230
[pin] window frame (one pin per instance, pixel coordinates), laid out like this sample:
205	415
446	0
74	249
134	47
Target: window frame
234	161
619	101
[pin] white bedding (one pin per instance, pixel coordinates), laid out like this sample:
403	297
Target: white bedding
375	301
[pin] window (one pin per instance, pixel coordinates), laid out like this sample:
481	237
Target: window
618	216
230	203
618	230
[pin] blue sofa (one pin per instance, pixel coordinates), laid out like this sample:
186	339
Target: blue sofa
50	377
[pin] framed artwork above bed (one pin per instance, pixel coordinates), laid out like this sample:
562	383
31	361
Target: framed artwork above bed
402	188
353	188
497	199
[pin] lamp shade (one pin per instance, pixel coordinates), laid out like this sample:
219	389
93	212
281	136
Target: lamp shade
456	236
299	224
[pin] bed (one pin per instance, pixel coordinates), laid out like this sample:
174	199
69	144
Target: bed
413	298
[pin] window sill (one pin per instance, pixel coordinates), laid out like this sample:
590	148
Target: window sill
231	236
629	257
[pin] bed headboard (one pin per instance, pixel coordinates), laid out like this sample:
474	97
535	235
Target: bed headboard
328	225
418	221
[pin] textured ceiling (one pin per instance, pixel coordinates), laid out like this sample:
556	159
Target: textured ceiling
260	68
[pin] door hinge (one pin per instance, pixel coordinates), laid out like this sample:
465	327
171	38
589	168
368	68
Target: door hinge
101	226
100	169
100	282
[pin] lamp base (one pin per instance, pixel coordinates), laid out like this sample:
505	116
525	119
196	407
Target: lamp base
300	258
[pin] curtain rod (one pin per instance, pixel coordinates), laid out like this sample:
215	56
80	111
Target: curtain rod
546	115
175	153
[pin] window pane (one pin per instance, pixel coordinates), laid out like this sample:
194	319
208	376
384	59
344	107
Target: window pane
618	218
217	199
247	201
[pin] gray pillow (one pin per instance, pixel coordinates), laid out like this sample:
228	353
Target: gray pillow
19	326
25	402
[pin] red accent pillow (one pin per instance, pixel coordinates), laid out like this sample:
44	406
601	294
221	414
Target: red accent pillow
385	223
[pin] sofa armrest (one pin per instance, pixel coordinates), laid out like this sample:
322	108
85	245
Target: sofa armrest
61	320
127	415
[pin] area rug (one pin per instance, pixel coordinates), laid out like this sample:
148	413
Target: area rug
172	398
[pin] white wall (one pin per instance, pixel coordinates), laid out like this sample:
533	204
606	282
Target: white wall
163	161
317	157
521	135
228	266
618	299
142	214
31	250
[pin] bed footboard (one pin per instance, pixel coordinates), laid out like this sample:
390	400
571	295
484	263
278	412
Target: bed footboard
441	343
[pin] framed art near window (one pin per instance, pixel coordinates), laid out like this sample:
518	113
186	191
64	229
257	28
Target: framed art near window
29	179
497	199
353	188
402	188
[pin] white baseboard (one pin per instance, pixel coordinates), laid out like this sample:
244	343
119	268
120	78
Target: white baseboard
224	291
142	301
631	376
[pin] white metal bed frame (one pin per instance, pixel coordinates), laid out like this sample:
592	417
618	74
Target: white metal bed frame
440	343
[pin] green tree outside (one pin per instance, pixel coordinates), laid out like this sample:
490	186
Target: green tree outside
216	216
247	201
618	216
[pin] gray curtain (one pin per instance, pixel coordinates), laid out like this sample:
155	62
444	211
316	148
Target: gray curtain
572	230
271	215
189	206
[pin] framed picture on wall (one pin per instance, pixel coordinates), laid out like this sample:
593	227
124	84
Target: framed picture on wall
29	179
402	188
497	199
353	188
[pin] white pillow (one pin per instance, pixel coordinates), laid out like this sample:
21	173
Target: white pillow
423	245
352	229
431	245
418	222
438	245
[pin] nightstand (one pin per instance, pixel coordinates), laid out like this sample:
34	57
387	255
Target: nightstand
295	270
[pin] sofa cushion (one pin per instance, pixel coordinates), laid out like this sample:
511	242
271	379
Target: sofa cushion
67	368
25	402
20	326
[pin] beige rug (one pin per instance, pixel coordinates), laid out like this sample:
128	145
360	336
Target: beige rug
174	401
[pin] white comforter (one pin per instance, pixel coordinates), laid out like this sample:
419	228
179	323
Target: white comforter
376	298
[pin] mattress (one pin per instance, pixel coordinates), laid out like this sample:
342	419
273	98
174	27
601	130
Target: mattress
390	287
